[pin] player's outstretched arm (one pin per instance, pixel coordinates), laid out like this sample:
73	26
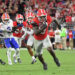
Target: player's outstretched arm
55	24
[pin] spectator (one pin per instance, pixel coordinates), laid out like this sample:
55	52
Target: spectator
70	39
63	37
21	7
52	37
58	38
67	40
73	32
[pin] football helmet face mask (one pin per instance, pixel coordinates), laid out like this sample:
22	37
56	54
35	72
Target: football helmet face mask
41	14
42	18
5	18
30	16
19	18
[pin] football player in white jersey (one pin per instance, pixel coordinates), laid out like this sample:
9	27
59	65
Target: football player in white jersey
6	27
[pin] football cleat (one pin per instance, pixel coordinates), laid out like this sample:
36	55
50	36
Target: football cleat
2	62
45	66
34	61
10	63
19	60
14	59
57	62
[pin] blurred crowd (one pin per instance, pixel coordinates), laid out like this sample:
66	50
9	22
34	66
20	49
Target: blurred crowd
55	8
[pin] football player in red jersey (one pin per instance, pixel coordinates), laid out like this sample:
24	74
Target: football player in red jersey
18	33
40	26
29	31
19	36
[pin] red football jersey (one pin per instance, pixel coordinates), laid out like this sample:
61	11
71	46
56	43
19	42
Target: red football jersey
28	26
51	33
70	34
19	31
43	34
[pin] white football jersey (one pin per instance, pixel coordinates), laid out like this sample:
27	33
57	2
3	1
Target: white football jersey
57	33
7	27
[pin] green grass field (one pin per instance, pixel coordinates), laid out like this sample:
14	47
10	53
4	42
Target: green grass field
67	59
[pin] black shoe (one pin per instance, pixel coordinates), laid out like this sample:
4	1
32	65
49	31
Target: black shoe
57	62
45	66
35	56
3	63
19	60
34	61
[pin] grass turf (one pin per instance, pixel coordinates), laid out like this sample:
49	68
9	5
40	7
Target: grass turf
67	59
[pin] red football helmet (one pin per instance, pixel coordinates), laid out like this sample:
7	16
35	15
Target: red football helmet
19	18
41	14
30	16
5	18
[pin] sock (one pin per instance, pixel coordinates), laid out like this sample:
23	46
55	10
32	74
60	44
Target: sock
18	53
14	56
9	55
33	58
41	59
52	53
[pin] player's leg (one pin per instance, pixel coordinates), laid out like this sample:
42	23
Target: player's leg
42	61
38	48
29	44
19	42
9	56
31	54
18	55
2	62
48	44
14	55
50	49
8	46
17	50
